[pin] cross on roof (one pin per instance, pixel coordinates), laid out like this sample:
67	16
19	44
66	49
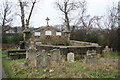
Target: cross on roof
47	19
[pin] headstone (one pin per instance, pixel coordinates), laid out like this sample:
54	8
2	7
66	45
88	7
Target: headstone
70	57
31	57
55	55
38	43
91	52
31	53
107	49
32	45
43	59
91	57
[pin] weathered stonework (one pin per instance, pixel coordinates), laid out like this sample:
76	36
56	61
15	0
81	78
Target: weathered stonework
52	37
91	57
49	45
42	59
70	57
55	55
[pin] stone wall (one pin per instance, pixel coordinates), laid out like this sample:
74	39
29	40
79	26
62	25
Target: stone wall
47	39
66	49
81	43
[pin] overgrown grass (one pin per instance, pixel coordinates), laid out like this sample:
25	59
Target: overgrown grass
68	70
3	54
115	54
78	69
111	54
14	49
7	63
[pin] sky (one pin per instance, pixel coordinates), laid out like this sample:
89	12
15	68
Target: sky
47	8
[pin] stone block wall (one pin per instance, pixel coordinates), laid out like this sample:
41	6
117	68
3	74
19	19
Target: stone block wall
66	49
53	38
81	43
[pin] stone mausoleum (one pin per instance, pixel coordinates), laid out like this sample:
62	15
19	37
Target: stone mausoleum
49	35
49	44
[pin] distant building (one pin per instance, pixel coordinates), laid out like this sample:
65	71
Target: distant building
17	29
50	35
14	30
10	31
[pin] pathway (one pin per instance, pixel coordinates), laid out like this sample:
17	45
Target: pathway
2	73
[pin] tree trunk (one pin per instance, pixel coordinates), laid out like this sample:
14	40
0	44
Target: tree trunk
22	15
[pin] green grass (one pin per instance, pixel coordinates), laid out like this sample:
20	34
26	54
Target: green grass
71	70
0	54
111	54
8	69
114	54
60	44
12	49
3	54
20	60
65	70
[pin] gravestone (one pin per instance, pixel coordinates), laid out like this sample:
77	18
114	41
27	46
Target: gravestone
91	52
91	57
30	57
42	59
38	43
31	53
106	49
55	55
70	57
32	45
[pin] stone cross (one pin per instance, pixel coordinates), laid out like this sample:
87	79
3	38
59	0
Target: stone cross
47	19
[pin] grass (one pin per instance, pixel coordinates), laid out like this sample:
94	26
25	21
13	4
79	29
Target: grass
8	70
69	70
111	54
3	54
9	64
115	54
78	69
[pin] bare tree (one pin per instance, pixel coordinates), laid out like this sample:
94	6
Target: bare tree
22	14
6	15
66	7
22	9
110	21
84	20
108	26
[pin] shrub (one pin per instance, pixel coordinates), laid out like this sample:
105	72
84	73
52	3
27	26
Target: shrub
12	38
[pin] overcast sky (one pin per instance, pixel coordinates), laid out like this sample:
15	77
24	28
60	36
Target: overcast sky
47	8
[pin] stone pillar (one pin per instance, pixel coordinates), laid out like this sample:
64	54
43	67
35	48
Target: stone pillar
70	57
67	34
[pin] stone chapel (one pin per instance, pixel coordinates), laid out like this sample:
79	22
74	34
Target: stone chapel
49	35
